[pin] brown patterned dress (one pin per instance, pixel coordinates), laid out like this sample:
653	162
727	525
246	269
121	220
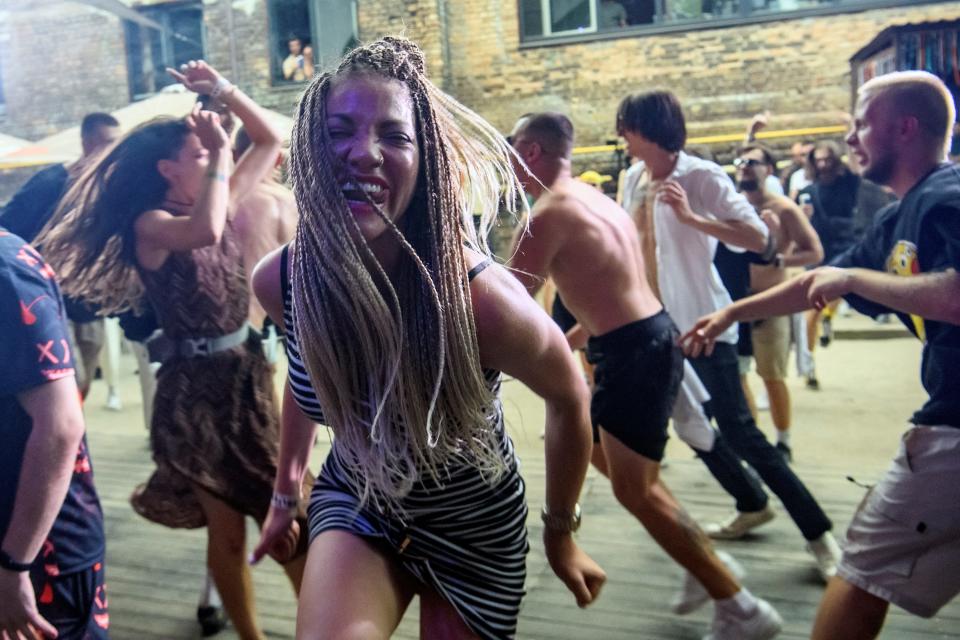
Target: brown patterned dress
215	421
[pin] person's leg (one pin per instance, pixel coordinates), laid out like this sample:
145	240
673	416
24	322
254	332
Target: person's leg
748	395
693	427
813	328
90	343
350	590
637	486
779	404
111	362
227	562
718	372
147	372
771	348
847	611
439	619
599	459
294	570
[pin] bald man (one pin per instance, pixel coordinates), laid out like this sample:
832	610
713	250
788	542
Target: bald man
903	546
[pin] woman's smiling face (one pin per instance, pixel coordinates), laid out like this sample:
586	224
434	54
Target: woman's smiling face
371	123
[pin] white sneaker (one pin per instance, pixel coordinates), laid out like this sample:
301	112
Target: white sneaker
763	624
826	552
113	401
737	525
692	595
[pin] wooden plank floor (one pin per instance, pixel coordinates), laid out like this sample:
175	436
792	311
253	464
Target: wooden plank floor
154	574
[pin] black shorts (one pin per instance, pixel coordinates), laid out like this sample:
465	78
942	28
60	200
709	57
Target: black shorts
639	368
74	603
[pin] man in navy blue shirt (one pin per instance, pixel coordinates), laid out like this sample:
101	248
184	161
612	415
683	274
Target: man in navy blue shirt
903	546
31	208
51	524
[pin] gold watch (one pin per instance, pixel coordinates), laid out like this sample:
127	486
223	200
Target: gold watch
561	523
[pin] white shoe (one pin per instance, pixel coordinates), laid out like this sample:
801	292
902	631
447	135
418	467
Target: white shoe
737	525
826	552
764	623
113	401
692	595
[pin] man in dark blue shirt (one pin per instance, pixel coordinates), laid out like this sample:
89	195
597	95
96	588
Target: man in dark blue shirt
51	524
32	207
903	546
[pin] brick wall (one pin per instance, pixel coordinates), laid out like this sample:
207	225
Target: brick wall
417	19
60	61
251	52
798	68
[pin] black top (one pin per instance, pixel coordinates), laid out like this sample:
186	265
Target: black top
835	212
35	350
734	270
920	234
32	206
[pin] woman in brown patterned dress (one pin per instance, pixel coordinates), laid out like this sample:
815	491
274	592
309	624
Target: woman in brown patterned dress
153	217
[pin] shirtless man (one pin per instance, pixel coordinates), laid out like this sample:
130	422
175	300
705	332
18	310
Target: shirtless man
589	246
265	220
797	245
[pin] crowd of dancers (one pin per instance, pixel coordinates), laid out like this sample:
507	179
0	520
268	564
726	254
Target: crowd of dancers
398	324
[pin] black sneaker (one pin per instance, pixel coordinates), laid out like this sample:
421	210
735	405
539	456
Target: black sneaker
785	451
212	620
813	383
827	336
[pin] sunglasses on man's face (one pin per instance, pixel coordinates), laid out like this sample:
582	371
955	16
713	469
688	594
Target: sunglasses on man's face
747	162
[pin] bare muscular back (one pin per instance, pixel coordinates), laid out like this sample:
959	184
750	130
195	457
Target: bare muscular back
265	219
589	246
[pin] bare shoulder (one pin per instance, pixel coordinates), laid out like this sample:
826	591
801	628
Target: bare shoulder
507	318
265	281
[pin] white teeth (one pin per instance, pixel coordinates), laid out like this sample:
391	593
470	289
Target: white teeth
369	187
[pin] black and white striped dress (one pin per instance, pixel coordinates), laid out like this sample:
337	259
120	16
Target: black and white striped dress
464	538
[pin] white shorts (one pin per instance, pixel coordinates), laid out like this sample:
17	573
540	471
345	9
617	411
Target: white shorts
904	542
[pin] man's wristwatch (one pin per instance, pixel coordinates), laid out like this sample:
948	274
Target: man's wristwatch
8	563
566	523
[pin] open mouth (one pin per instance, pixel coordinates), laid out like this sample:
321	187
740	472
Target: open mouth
363	192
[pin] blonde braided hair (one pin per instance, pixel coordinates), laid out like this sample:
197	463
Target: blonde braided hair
396	368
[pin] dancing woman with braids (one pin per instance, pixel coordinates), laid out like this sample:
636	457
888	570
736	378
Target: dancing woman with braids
153	216
398	328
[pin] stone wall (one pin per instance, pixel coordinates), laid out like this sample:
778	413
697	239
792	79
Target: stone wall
60	60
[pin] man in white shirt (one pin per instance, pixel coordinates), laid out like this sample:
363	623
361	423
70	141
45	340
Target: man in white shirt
683	207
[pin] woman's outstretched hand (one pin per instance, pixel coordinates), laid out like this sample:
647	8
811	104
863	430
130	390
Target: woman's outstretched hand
197	76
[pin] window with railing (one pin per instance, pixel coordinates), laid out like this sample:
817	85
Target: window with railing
173	36
309	35
543	20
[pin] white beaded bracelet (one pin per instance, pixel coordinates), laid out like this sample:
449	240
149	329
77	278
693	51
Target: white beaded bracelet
220	87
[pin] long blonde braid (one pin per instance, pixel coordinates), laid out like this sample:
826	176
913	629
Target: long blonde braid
396	368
